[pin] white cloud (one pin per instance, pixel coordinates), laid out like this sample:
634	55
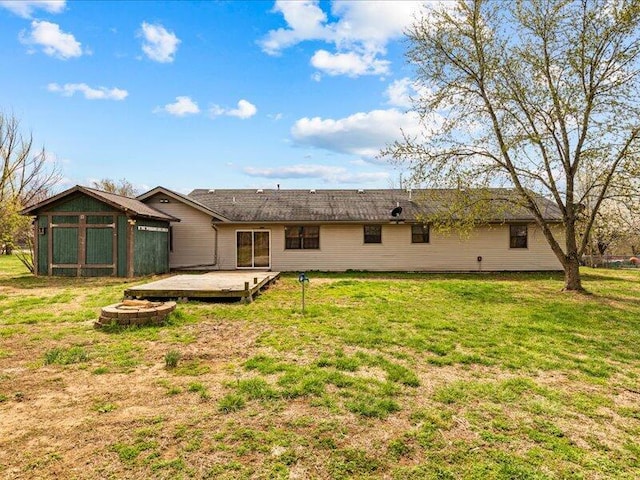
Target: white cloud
52	157
159	44
362	134
326	173
54	42
90	93
399	93
181	107
244	110
360	35
351	64
26	8
374	22
276	116
305	20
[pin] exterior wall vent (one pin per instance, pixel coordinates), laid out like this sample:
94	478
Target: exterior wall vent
164	200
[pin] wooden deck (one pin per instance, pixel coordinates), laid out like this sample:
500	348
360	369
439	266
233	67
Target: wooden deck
240	285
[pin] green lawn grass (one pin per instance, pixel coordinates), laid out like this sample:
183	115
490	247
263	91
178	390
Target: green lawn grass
384	376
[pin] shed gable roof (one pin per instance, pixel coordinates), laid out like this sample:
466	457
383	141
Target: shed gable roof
247	206
119	202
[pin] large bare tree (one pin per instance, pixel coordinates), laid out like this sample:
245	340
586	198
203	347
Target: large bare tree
541	96
27	175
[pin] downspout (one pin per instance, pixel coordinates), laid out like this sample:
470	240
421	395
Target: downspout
215	255
215	251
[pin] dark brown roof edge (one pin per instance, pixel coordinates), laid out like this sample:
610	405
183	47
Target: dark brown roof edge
100	196
183	198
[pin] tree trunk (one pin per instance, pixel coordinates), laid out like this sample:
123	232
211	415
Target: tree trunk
572	281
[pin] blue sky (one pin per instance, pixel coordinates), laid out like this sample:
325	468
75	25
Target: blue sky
212	94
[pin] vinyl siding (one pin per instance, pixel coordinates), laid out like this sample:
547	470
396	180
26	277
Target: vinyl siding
193	236
342	248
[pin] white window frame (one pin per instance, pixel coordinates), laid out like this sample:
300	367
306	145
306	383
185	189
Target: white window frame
253	260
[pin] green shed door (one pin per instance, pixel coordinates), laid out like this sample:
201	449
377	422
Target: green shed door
65	245
99	246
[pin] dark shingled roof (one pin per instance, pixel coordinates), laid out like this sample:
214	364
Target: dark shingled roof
353	205
126	204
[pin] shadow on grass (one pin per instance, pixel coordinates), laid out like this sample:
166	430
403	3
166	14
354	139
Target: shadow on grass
635	302
428	276
600	277
29	282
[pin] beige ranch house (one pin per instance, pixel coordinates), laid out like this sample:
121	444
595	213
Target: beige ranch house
338	230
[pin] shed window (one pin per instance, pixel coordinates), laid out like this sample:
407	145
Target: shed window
373	234
517	236
302	238
420	233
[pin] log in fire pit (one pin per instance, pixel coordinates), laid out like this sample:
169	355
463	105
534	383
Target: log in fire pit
135	312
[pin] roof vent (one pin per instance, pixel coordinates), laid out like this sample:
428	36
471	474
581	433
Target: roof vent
212	191
259	190
360	190
313	190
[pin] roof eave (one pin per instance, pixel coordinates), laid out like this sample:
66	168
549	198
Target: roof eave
32	210
368	221
47	201
182	198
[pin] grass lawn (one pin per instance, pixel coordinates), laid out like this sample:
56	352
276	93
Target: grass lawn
401	376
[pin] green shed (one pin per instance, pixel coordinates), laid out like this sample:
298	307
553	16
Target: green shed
85	232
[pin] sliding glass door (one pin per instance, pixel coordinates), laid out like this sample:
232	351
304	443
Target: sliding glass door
253	249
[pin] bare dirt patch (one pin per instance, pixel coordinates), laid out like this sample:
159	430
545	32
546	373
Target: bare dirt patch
65	418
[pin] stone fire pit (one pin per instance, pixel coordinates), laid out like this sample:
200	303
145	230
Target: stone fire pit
135	312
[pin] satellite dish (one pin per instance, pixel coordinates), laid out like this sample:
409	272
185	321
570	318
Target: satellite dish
396	211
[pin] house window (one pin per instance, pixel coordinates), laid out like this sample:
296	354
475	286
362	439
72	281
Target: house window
517	236
302	238
420	233
373	234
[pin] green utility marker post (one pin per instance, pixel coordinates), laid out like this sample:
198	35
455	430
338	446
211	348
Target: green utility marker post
303	279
